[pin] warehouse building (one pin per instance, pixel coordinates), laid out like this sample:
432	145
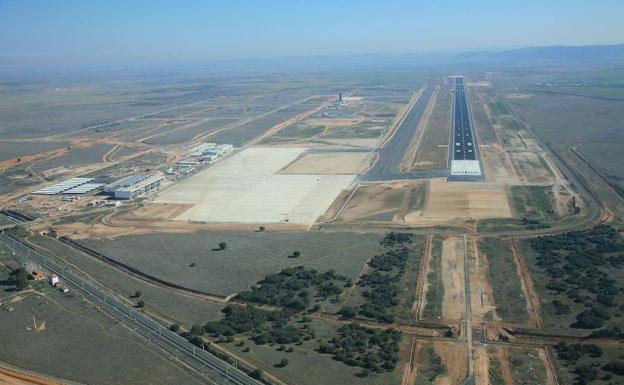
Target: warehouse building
133	186
71	186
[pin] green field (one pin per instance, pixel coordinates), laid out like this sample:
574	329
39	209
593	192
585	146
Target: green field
435	291
308	367
505	281
74	336
578	279
179	308
248	258
527	367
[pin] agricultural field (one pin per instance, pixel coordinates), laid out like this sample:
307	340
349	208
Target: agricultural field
247	258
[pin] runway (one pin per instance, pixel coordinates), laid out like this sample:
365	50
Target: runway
465	164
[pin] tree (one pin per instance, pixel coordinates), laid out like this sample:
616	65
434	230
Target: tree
296	254
140	304
256	374
20	278
137	294
261	228
347	312
282	364
222	245
174	328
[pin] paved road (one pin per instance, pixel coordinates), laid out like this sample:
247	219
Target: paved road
388	165
463	139
219	371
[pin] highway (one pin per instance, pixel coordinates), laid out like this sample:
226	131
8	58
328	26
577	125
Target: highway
390	155
217	370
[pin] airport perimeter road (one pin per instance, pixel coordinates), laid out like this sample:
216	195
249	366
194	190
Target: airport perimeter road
388	165
214	369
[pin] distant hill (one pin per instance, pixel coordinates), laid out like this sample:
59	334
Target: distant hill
588	54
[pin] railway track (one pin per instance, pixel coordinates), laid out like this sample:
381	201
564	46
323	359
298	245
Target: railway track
214	369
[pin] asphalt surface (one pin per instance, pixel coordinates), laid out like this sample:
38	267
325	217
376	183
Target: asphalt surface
388	164
463	138
219	371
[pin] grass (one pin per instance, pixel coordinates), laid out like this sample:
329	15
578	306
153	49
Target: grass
435	291
495	373
307	366
431	155
532	201
567	369
503	275
248	258
409	280
76	335
430	366
9	150
179	308
527	367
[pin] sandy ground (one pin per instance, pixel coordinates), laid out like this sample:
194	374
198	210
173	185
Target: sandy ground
448	201
531	168
455	357
120	226
497	165
502	356
328	163
383	201
550	376
481	291
481	366
245	188
453	278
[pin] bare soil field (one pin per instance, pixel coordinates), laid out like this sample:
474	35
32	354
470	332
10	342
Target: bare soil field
531	168
448	201
453	278
455	358
497	165
249	256
329	163
483	305
72	335
386	202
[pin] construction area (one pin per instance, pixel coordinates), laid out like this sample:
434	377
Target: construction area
248	188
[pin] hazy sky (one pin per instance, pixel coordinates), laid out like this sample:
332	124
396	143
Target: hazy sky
179	30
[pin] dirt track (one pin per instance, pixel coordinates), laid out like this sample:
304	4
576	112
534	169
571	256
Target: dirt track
453	278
